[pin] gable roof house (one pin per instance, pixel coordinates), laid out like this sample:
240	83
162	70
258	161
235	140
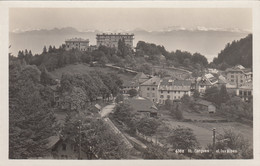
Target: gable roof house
66	148
173	89
149	88
140	78
207	81
238	76
143	106
206	105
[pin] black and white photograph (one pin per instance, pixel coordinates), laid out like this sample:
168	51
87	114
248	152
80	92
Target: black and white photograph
130	83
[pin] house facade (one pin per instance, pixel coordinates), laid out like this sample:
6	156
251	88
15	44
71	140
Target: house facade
245	92
173	89
77	43
238	75
149	89
112	39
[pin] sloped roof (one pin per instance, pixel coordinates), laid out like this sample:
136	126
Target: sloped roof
130	83
141	77
239	68
169	84
208	76
98	106
182	82
205	82
204	102
52	140
142	104
152	81
77	40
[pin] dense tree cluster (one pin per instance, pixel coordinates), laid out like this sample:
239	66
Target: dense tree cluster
175	108
229	105
78	89
147	126
143	48
237	52
186	59
231	141
216	95
31	119
97	139
235	108
183	138
132	92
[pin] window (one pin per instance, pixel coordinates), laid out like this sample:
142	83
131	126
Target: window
232	76
241	81
232	80
240	93
168	91
174	97
64	147
148	88
168	96
161	96
179	92
161	91
249	93
153	89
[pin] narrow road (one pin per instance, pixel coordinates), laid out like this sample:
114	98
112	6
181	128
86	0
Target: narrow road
107	110
103	113
136	141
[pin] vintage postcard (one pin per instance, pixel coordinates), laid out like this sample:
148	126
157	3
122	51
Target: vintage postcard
144	82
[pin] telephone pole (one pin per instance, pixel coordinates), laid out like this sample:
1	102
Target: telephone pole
214	143
79	127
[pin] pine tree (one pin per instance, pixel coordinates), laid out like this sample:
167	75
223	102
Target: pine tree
223	94
50	50
44	50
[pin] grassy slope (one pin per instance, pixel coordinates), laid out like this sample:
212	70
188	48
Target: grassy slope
203	131
84	68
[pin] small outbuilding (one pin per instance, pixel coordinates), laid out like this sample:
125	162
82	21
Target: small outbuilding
206	105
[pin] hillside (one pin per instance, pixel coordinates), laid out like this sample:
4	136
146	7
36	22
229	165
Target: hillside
237	52
207	42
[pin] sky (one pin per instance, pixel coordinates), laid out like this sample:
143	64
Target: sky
110	19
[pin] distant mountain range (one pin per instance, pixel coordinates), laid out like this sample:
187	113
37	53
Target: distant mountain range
207	41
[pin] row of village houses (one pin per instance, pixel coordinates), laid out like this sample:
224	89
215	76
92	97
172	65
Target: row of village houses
153	89
237	79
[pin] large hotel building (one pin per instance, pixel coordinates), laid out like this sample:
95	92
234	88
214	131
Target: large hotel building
77	43
111	39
